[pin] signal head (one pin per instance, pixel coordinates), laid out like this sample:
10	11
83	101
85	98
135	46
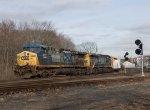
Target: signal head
126	58
138	51
137	42
127	53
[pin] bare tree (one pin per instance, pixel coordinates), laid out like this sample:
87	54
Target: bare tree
88	47
13	36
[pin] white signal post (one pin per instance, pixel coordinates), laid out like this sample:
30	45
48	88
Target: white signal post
139	51
126	59
142	64
125	70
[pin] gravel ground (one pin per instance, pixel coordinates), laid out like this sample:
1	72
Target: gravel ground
132	96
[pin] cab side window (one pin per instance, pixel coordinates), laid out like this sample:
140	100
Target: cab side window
44	50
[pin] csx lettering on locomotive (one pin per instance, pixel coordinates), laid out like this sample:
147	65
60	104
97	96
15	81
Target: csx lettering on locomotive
25	58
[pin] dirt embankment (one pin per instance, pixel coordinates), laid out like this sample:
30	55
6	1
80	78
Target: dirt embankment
116	96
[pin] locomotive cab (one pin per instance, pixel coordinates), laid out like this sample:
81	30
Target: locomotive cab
34	54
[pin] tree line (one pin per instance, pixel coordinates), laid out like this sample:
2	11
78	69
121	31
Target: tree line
14	35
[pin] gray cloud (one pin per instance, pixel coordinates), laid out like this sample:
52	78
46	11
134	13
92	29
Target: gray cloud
47	8
82	20
140	29
82	34
143	29
14	16
127	42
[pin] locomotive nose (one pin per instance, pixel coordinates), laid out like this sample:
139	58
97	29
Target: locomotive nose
27	58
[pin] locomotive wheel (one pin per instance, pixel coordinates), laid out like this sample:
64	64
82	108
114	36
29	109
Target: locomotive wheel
45	74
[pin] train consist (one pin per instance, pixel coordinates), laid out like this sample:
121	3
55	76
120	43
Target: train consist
42	61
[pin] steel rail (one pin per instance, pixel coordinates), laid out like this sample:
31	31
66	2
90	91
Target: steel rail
16	86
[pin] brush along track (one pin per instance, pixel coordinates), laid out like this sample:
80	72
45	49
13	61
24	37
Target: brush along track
33	85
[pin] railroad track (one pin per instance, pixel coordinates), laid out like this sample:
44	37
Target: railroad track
40	84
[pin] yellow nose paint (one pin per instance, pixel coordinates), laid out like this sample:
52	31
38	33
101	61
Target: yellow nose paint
27	58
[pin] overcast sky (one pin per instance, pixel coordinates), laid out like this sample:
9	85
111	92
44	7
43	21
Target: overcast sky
113	24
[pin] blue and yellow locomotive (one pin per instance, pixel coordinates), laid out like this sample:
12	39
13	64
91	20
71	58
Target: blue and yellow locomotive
42	61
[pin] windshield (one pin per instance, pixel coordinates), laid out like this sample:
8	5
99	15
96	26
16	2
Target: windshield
35	50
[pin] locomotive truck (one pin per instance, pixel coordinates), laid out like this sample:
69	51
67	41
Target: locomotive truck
38	60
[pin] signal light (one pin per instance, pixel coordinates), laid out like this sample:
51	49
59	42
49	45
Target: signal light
139	51
125	56
137	42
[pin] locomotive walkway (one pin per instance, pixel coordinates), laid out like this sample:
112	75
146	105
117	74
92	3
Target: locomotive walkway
12	87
